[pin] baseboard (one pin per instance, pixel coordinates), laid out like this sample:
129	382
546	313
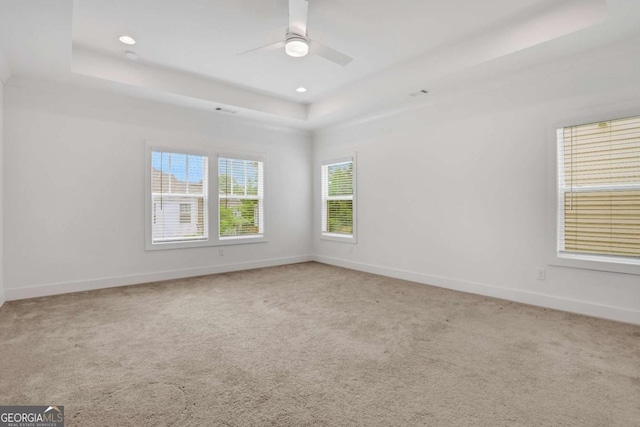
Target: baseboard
532	298
12	294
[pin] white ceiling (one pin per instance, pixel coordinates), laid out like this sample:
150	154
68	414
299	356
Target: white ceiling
205	36
188	50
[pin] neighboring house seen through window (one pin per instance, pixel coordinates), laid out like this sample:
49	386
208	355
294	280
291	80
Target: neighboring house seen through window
599	191
182	209
179	190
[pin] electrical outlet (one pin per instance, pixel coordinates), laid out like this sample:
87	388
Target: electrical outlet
542	274
221	252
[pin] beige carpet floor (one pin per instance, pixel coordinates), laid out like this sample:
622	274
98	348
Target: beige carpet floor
310	344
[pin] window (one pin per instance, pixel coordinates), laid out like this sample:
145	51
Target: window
338	204
182	210
599	191
179	188
241	194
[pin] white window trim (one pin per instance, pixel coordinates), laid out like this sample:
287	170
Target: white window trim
555	225
213	224
334	236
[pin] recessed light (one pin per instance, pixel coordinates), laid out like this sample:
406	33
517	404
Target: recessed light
131	55
301	89
127	39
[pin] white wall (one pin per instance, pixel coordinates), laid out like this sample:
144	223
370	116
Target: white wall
2	296
458	194
5	73
454	194
74	189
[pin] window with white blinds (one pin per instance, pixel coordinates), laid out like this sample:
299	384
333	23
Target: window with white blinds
599	190
338	199
179	192
241	198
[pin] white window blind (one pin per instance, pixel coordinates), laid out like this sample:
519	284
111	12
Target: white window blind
241	196
179	191
337	198
599	190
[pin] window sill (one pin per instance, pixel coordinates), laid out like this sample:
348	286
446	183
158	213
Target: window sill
334	237
225	241
205	243
598	263
177	245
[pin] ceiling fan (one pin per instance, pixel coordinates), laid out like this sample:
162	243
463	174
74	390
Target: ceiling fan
297	43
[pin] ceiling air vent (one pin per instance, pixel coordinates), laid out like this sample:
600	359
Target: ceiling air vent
419	93
225	110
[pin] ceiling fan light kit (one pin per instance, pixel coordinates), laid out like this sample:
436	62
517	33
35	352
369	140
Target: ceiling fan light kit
296	45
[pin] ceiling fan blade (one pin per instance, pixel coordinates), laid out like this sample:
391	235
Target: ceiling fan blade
272	46
328	53
298	10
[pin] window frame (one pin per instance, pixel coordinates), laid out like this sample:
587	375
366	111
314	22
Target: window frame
336	237
232	240
212	214
556	201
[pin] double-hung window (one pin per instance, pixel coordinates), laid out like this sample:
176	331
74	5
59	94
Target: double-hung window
183	209
599	191
179	193
338	201
241	198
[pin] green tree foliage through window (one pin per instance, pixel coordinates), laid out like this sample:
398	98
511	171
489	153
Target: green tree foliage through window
337	183
241	197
